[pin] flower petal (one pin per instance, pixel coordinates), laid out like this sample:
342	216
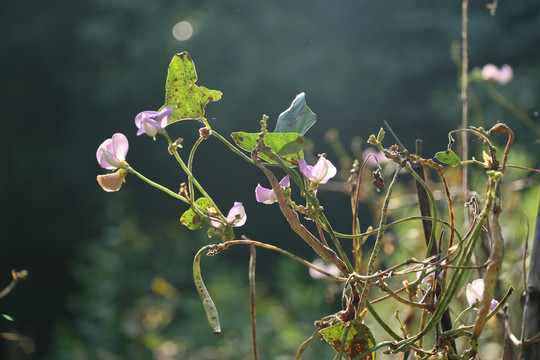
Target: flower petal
162	118
330	173
305	168
320	173
112	152
148	126
264	195
472	295
100	154
150	122
475	291
329	268
285	182
494	304
489	72
112	182
237	215
144	114
121	146
505	75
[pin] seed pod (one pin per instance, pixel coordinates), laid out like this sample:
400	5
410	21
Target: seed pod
208	303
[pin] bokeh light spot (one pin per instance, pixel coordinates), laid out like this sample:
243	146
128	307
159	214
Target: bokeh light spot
182	30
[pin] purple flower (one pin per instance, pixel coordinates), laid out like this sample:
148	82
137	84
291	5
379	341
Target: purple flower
329	268
503	75
111	154
151	122
376	159
475	291
320	173
267	196
236	216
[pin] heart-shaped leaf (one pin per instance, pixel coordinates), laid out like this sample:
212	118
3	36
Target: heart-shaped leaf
187	99
193	220
298	118
288	146
359	339
448	157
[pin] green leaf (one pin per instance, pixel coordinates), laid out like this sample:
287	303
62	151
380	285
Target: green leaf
448	157
288	146
187	99
193	220
298	118
359	339
380	135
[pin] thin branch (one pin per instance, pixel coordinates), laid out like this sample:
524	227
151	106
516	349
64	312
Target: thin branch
464	98
17	276
252	259
306	343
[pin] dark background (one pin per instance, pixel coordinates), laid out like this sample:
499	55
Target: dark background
75	72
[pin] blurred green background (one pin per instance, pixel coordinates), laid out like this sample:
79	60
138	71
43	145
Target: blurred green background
110	274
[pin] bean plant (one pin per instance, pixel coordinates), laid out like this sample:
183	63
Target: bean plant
446	274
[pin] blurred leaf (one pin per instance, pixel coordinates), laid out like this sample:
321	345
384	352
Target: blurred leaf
162	287
288	146
298	118
448	157
359	338
193	220
187	99
7	317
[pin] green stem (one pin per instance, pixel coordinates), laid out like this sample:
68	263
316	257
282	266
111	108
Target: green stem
190	166
306	343
174	151
225	245
334	238
382	322
158	186
373	349
378	241
232	147
397	222
339	356
455	282
461	315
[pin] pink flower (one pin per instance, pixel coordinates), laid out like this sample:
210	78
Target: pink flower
329	268
151	122
236	216
267	196
111	154
503	75
475	291
320	173
429	279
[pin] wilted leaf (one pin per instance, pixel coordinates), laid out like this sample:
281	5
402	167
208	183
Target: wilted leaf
298	118
359	339
288	146
193	220
448	157
187	99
